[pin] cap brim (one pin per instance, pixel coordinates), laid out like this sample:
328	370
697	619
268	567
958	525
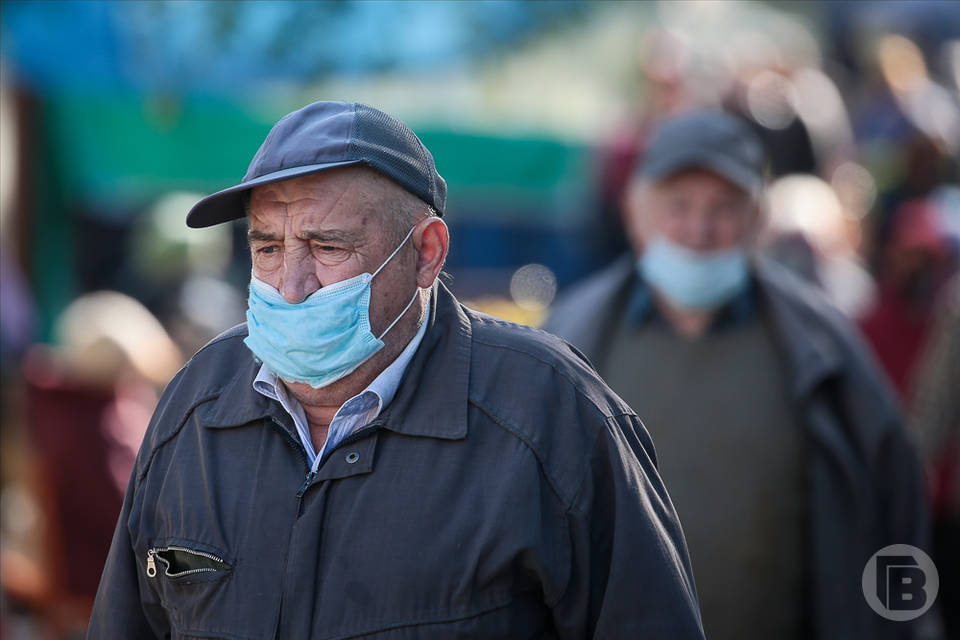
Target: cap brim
227	204
740	176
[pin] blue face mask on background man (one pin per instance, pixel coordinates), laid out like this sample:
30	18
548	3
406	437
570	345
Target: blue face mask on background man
693	280
321	339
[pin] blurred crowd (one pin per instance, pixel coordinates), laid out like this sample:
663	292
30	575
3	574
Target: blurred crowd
863	172
862	202
862	137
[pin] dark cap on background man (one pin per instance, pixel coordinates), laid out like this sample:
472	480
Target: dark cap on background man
705	139
327	135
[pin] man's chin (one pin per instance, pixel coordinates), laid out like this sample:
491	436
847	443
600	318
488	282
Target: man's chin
305	392
333	394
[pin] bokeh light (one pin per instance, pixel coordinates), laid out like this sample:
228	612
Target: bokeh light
533	286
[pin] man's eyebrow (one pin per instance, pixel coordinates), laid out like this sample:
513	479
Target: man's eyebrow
255	235
333	235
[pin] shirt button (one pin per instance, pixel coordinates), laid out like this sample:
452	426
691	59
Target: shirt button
352	457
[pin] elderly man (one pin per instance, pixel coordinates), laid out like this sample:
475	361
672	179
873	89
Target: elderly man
365	457
778	440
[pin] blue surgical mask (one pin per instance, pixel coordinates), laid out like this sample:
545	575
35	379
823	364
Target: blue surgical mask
691	279
321	339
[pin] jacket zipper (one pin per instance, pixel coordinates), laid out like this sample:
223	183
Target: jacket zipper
298	446
306	484
152	564
353	437
308	480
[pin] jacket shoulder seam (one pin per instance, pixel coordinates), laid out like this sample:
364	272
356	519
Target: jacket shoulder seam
580	391
503	424
173	433
232	332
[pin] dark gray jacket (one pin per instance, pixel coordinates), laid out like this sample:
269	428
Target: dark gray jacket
504	493
865	484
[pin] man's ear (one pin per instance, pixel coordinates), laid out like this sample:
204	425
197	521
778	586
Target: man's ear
432	240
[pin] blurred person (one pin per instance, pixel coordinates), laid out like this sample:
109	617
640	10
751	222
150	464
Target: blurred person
205	306
778	439
793	250
923	169
935	418
914	262
366	456
664	66
16	312
88	402
910	123
810	233
185	274
763	96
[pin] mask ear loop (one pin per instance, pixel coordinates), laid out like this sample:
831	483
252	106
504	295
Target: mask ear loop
416	294
399	246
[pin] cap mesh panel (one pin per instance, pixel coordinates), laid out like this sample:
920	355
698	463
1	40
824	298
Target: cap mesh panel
390	147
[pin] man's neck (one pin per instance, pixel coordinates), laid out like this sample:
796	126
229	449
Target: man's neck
321	405
319	418
688	323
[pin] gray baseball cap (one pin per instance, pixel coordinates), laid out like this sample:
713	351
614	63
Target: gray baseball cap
326	135
705	139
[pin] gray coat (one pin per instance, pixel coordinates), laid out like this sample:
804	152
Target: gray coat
505	492
865	485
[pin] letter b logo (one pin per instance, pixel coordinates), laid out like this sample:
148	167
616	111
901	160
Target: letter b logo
900	582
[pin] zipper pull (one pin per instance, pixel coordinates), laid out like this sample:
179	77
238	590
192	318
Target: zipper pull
306	483
151	564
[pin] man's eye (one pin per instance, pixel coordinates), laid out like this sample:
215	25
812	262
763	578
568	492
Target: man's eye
269	249
329	251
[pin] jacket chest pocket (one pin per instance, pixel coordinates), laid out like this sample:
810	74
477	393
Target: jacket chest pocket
192	582
183	563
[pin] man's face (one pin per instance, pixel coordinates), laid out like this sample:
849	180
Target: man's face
695	209
310	232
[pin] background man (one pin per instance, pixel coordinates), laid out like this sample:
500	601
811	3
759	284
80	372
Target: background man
366	457
780	444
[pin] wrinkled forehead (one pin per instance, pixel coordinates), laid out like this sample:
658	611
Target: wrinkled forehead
351	196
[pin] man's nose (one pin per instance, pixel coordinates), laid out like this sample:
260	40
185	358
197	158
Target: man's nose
701	230
297	281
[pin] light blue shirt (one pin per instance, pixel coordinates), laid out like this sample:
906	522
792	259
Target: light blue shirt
354	413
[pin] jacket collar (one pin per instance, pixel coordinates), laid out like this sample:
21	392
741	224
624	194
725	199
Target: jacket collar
431	400
588	318
641	307
238	403
807	341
